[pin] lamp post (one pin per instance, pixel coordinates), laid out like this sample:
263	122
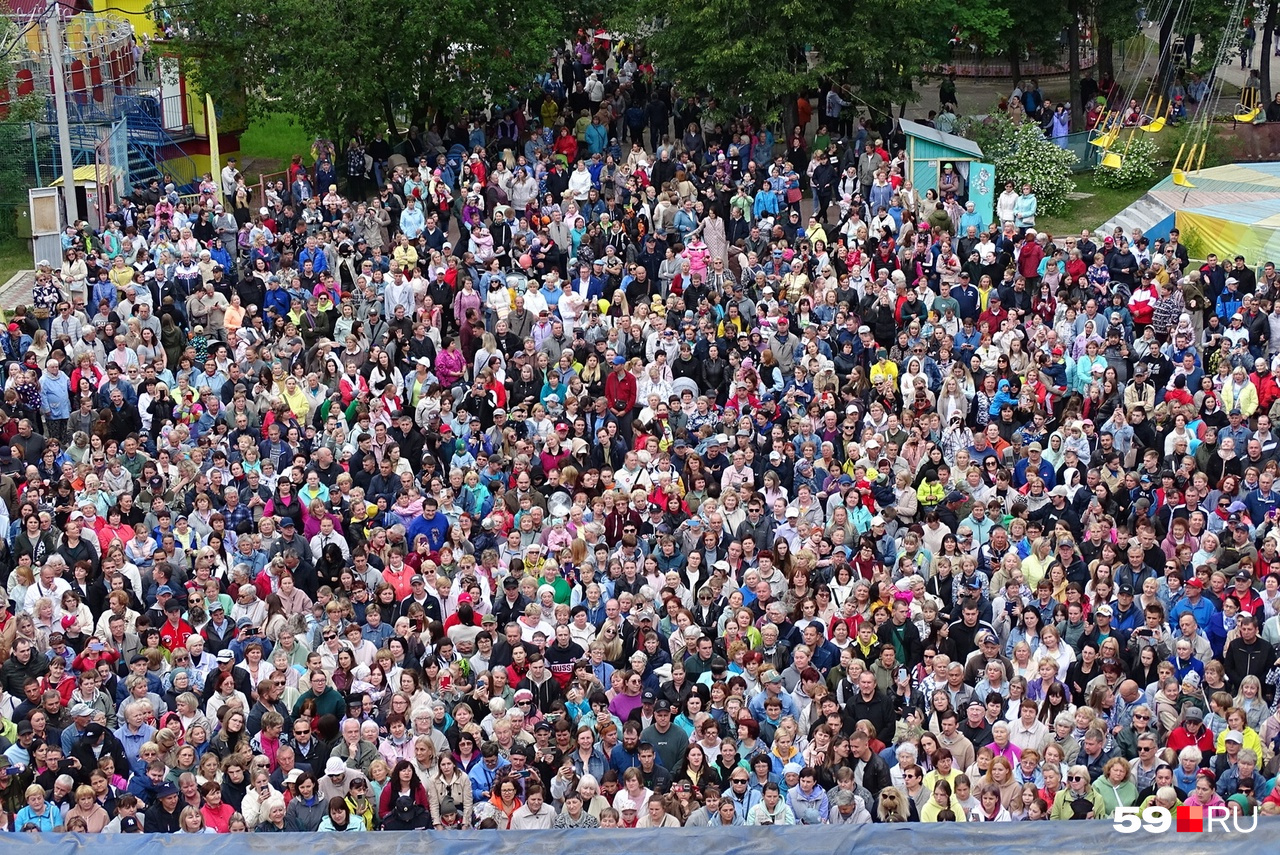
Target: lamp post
53	37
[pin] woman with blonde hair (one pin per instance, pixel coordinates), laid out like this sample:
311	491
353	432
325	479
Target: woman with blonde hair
1036	565
952	401
907	505
1000	775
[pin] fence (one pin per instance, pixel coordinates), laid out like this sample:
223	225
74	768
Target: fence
1086	155
1009	838
14	220
264	181
968	61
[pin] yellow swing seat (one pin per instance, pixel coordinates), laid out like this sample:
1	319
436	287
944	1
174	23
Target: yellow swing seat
1156	126
1111	160
1248	116
1105	141
1180	179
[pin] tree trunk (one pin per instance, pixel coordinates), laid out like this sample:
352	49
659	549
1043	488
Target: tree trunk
790	118
1106	55
1264	60
389	113
1073	64
1164	70
1015	64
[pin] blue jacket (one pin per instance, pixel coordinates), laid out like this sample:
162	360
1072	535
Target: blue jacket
1044	470
1228	304
1258	504
685	223
277	299
597	138
766	202
55	396
620	759
482	779
1202	611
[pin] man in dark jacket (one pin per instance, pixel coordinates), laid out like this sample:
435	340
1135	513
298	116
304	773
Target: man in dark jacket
867	765
162	815
1248	654
902	633
824	182
25	662
873	705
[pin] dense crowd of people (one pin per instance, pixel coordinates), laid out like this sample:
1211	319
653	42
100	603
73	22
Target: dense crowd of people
565	481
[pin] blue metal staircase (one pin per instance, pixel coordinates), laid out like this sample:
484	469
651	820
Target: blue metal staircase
152	151
84	142
151	146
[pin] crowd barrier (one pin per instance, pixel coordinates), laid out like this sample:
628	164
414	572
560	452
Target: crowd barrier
1016	838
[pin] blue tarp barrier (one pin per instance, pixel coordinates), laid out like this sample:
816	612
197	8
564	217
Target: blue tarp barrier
1016	838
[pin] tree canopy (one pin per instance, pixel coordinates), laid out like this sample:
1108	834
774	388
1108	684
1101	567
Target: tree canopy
759	54
338	64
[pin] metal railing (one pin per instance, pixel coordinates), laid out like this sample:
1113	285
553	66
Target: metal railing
172	113
969	61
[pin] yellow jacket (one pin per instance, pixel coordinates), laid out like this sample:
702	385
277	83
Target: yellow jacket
1252	741
931	493
1247	401
884	368
405	256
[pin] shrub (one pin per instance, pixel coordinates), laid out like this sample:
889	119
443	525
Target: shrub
1137	164
1026	156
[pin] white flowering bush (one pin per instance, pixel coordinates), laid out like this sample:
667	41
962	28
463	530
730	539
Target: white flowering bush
1024	155
1137	166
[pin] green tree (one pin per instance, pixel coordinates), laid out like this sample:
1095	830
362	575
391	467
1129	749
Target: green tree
759	55
341	64
15	138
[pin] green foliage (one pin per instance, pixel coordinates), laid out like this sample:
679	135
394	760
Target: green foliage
341	64
1024	155
740	53
1217	152
1137	166
15	135
991	132
758	54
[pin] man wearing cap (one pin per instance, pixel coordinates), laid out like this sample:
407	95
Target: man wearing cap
668	740
81	716
1058	511
1191	732
1193	603
220	631
1125	616
1034	464
783	343
162	815
620	393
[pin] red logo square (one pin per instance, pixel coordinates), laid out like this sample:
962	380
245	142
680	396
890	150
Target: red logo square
1190	818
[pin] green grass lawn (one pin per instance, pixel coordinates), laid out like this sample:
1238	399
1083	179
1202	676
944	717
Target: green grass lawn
1091	212
270	142
14	256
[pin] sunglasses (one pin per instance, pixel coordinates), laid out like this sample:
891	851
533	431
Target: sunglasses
1074	778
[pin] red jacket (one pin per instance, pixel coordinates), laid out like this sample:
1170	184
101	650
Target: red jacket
173	636
620	392
1268	390
1029	257
1179	739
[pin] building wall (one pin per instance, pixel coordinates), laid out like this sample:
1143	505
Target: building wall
927	157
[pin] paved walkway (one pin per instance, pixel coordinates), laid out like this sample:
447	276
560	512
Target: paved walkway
18	289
